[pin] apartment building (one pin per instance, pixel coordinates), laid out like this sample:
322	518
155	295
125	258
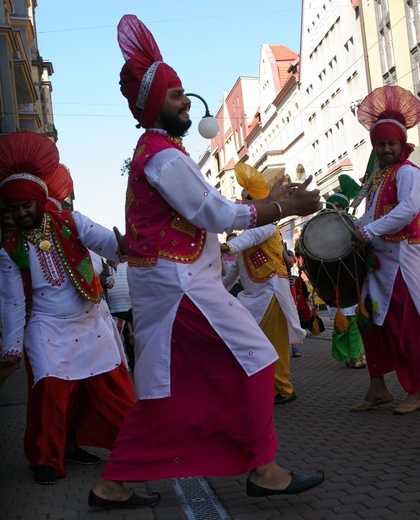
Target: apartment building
305	121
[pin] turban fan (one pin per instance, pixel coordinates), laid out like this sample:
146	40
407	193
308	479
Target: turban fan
387	112
144	71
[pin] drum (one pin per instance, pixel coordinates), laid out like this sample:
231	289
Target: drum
329	260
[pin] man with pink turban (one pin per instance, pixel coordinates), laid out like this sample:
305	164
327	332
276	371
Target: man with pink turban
390	228
204	370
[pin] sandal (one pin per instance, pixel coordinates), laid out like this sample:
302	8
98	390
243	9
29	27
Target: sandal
296	352
358	364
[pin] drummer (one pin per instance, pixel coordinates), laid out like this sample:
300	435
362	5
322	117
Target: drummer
391	226
347	345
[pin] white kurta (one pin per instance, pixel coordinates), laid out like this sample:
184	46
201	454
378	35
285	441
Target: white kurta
256	297
394	255
66	336
157	291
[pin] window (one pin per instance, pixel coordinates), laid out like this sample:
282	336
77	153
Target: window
412	11
385	42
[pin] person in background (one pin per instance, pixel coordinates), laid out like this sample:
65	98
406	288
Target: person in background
207	410
260	263
226	264
289	260
119	303
389	315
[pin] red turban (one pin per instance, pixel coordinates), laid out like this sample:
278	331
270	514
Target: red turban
145	78
23	187
27	159
389	130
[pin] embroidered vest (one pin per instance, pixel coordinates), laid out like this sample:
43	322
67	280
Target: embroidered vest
387	201
74	257
153	228
265	260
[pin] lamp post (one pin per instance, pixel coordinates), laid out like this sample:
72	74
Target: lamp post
208	127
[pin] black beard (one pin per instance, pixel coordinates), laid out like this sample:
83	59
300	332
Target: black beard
173	125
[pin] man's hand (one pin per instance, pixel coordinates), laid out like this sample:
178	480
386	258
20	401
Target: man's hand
8	366
278	191
110	282
358	241
121	241
301	201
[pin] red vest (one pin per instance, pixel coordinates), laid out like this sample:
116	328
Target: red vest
387	200
153	228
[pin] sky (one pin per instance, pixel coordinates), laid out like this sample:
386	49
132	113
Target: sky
210	44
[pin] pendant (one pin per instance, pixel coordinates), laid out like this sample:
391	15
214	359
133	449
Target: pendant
45	245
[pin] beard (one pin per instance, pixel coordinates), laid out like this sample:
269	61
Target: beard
173	125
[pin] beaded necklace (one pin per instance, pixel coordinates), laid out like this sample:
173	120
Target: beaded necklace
40	235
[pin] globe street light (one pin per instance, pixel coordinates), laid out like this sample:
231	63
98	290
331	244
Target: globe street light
208	127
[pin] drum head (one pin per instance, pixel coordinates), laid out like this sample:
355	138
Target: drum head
327	236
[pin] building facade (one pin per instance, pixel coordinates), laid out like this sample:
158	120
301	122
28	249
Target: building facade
25	86
305	116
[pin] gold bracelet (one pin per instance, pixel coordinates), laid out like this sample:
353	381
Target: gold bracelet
231	251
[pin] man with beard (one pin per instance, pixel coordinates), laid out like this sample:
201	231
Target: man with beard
79	389
205	383
391	229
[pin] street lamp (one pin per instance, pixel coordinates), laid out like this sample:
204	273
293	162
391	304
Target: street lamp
208	127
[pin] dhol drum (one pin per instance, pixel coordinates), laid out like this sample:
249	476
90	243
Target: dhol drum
330	262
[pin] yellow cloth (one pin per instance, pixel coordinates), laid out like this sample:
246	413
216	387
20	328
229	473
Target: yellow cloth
274	326
251	180
265	260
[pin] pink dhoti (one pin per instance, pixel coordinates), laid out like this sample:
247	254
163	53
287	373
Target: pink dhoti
396	344
217	422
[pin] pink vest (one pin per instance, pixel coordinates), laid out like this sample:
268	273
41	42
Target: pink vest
153	228
387	200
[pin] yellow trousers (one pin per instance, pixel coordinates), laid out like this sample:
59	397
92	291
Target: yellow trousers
274	326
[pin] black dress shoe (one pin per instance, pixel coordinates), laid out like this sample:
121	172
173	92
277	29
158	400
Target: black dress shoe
283	399
80	456
134	501
298	484
45	475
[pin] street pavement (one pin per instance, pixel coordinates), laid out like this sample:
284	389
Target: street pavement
371	460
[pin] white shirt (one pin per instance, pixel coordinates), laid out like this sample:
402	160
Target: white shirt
394	255
256	297
119	295
157	291
66	336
